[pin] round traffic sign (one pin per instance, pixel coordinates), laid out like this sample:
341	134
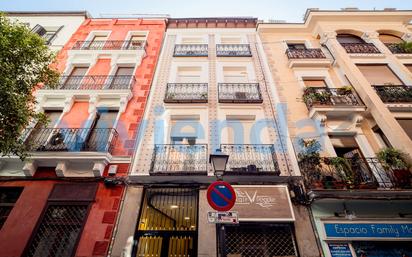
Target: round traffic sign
221	196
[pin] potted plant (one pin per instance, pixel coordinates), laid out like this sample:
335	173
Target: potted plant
345	90
312	96
394	160
406	47
309	161
344	172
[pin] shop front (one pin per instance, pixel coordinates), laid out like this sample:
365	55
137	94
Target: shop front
364	228
266	224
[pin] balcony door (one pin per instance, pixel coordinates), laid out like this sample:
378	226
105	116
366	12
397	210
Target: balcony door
122	78
101	131
97	42
379	75
42	134
75	78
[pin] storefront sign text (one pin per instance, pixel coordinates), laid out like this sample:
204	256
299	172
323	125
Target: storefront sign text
339	250
365	230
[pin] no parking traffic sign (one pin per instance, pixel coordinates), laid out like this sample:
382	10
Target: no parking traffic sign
221	196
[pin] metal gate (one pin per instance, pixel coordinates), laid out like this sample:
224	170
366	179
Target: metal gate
167	224
257	239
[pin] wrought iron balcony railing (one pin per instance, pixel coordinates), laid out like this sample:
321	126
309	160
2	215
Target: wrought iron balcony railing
239	93
233	50
71	139
174	159
249	159
110	45
394	94
323	96
397	49
95	82
360	48
313	53
186	93
187	50
352	173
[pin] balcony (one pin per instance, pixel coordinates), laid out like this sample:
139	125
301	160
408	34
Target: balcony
233	50
190	50
186	93
179	160
332	102
239	93
313	57
394	94
71	139
95	82
360	48
110	45
336	173
397	49
249	159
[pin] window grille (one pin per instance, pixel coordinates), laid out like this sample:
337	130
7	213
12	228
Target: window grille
58	232
264	240
8	197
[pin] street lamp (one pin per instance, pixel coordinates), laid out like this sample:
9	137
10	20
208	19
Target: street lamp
218	161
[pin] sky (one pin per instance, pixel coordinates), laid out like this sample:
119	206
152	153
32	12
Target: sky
288	10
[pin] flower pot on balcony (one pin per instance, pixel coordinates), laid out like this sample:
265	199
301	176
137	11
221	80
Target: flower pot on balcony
402	178
317	184
367	185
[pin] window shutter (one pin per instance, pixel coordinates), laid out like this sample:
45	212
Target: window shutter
379	75
38	29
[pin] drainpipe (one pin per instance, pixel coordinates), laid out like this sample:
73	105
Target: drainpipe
315	231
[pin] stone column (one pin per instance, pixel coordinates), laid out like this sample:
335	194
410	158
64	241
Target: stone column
383	117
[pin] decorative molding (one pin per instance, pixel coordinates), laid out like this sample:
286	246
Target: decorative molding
98	169
370	35
61	169
325	36
29	168
407	37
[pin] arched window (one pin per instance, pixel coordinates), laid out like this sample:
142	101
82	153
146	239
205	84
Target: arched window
348	38
389	39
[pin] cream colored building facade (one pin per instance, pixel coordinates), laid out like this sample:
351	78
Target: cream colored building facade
213	90
345	81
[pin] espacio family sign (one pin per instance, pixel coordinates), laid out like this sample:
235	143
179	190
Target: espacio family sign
368	230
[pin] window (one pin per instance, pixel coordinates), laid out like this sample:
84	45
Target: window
8	197
101	130
389	39
406	124
168	223
345	146
136	41
296	46
312	82
239	129
380	136
188	75
184	129
75	78
122	78
235	75
379	74
40	135
257	239
62	221
47	33
348	38
192	40
230	40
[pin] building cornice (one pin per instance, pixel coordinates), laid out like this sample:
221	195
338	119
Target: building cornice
85	14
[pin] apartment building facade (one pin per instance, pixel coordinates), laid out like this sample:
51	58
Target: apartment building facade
210	92
64	199
345	80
